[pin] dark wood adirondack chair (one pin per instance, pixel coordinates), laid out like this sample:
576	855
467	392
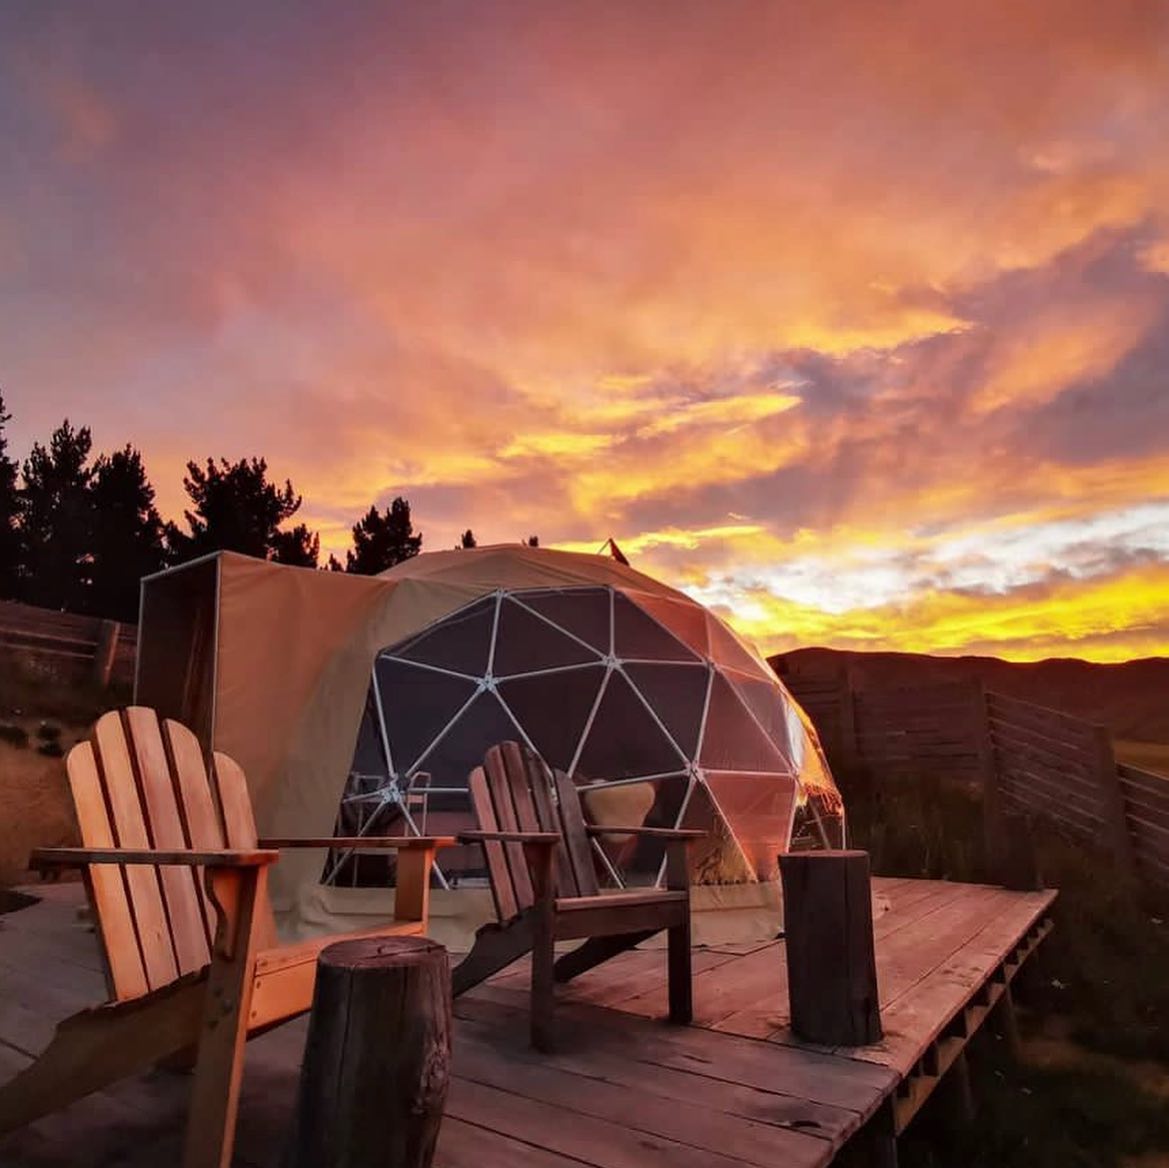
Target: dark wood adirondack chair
177	882
540	861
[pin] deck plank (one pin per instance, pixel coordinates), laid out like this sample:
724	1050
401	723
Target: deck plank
623	1089
609	1059
579	1090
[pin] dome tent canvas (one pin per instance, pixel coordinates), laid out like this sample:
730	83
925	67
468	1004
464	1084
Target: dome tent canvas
650	703
274	665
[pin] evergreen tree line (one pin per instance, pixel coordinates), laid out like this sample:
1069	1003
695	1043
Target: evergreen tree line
78	533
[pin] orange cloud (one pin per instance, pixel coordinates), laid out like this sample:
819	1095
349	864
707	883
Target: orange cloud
824	301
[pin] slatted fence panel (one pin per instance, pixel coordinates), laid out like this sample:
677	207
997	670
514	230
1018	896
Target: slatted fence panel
918	729
1146	798
63	644
1047	765
1044	763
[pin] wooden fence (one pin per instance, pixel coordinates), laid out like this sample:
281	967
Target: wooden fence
1028	759
67	647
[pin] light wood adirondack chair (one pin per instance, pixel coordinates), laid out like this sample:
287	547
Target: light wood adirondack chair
540	862
177	881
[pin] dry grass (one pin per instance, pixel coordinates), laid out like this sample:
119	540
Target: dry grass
35	792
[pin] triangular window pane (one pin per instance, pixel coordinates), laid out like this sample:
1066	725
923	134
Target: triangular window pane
677	694
686	621
716	859
727	649
417	703
584	612
658	803
459	641
758	810
638	635
461	749
624	740
771	709
525	643
732	740
553	709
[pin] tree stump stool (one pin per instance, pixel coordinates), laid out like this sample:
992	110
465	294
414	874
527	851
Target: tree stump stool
377	1058
831	955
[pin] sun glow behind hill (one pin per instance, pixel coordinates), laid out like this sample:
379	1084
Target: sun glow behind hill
817	322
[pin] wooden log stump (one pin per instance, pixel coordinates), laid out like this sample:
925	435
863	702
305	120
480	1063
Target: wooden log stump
377	1058
831	961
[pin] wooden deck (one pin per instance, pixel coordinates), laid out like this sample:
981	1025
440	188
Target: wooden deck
623	1091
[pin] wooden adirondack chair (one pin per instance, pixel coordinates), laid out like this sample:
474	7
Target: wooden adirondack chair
545	887
177	881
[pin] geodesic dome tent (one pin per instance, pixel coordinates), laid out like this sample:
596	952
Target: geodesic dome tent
657	710
340	694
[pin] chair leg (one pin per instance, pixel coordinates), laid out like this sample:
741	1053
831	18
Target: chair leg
543	996
220	1061
681	987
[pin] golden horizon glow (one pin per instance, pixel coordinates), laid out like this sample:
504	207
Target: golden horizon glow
817	323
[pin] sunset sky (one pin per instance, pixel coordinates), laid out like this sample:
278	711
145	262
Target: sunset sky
851	319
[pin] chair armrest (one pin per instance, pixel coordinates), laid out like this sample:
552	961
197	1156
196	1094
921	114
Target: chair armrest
510	837
400	842
222	858
674	833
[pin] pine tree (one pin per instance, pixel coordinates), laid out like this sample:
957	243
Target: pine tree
297	546
467	539
10	541
236	508
56	521
381	540
126	540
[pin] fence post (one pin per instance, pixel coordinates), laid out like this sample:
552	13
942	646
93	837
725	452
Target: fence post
105	651
849	746
992	800
1112	802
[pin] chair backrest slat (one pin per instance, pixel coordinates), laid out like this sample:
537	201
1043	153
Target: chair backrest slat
137	784
547	812
107	884
239	825
180	885
513	791
202	827
129	823
499	785
575	835
497	870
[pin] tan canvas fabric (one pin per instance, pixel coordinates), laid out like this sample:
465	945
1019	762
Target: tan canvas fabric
295	648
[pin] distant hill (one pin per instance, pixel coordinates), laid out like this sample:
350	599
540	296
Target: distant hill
1132	698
